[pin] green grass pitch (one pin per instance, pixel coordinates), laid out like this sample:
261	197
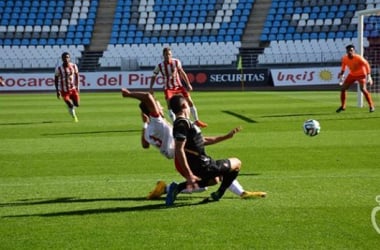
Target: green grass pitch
66	185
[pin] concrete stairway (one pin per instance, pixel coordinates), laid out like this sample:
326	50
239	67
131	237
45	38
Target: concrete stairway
255	24
100	37
250	44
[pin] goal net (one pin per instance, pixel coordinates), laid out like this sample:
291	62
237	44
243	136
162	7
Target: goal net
369	30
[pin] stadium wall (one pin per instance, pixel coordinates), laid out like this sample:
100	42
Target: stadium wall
208	79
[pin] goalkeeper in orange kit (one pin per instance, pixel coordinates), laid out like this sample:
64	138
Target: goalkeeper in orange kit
360	71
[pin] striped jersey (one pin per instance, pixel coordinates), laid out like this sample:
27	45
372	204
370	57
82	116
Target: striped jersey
66	76
169	71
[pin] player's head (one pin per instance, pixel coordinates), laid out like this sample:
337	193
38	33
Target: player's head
350	50
65	57
167	53
178	104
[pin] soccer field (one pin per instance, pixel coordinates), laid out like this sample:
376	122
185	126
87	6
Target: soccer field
66	185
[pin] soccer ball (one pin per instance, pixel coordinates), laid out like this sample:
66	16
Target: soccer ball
311	127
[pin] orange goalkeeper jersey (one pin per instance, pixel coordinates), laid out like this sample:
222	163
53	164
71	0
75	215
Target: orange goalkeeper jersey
358	65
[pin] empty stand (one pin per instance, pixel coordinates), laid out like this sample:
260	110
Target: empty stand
319	29
28	24
192	24
200	32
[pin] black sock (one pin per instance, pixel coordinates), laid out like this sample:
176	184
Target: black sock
228	178
181	186
203	183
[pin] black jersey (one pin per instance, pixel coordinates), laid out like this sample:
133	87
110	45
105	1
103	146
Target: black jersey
201	164
184	129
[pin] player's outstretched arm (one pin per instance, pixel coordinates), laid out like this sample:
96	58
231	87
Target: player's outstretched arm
208	140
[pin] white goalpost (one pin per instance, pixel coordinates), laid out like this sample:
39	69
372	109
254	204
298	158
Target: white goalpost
361	50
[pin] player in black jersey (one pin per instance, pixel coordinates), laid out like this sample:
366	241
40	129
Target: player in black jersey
195	165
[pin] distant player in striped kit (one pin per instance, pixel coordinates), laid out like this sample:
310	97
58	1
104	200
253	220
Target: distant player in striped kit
173	74
66	81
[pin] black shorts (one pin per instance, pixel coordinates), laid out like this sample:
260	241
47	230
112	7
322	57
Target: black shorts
207	168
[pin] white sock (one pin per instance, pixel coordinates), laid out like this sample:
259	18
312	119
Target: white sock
72	111
194	113
171	115
236	188
197	190
185	191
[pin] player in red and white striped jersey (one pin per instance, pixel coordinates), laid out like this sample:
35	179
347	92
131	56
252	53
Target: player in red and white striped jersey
173	74
66	81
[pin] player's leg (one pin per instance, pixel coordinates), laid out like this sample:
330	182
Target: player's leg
74	96
145	97
343	93
201	186
162	188
367	95
66	96
168	95
238	189
194	111
228	169
74	100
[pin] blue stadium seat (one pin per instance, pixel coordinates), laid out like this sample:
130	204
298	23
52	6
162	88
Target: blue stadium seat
51	41
85	41
305	36
42	41
60	41
349	34
272	37
170	39
113	40
340	35
282	30
331	35
25	42
280	37
130	40
288	37
264	37
121	40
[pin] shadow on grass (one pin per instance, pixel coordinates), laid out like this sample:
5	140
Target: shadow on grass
248	174
93	132
241	117
98	210
295	115
31	202
29	123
